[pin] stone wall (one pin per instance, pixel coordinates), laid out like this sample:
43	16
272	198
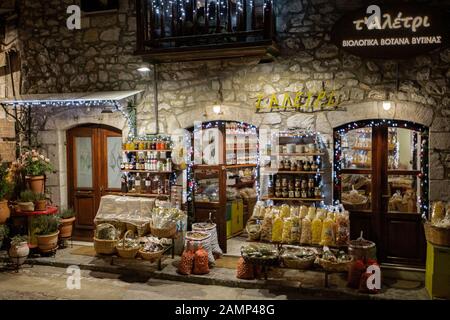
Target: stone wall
100	57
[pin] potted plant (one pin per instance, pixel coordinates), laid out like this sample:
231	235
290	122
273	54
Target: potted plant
26	200
46	230
5	189
35	165
67	217
40	202
4	231
19	250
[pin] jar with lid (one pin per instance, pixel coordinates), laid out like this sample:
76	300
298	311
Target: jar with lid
314	166
307	166
281	164
285	192
304	184
278	183
300	165
298	183
304	193
317	192
293	165
278	192
311	193
311	183
287	165
284	182
298	194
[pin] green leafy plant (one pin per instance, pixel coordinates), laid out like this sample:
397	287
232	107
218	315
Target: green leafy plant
67	213
4	231
40	196
17	240
6	186
45	224
27	196
32	163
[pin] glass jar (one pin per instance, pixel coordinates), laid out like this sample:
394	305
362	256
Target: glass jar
307	166
285	193
300	165
293	165
317	192
284	182
298	193
298	183
278	193
311	183
314	166
304	193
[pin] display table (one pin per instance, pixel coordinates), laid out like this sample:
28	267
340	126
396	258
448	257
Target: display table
30	215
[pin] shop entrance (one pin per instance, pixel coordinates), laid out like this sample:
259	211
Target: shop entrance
381	177
93	170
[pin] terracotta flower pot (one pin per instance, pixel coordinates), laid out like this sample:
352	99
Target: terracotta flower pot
40	205
48	242
65	228
36	183
5	212
19	253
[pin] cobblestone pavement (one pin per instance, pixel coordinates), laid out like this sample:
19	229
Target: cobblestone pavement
49	283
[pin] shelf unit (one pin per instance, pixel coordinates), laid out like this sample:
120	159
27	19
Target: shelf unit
293	199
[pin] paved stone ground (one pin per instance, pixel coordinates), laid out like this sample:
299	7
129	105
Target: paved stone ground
137	275
49	283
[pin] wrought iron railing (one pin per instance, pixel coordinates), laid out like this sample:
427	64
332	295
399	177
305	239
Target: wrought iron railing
184	24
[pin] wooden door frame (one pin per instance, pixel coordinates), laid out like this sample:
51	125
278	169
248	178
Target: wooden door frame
379	212
98	169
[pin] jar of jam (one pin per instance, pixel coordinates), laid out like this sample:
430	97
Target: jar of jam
278	183
307	166
304	194
285	193
293	165
284	182
311	183
317	192
314	166
278	192
304	184
141	145
300	165
297	193
298	183
153	145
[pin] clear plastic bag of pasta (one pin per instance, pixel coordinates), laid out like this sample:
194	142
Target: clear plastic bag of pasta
303	211
287	229
295	230
327	238
306	236
277	228
285	211
342	228
316	229
266	228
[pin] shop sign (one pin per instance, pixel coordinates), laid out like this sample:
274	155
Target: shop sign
305	102
391	32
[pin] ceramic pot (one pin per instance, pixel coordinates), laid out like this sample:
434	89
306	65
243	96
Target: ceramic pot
40	205
48	242
19	253
65	228
36	183
5	212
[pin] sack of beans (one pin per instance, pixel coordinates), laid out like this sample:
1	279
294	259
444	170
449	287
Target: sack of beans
186	262
244	270
201	262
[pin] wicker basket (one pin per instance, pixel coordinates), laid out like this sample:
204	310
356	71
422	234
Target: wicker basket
301	264
102	246
335	266
164	233
128	253
356	206
436	235
151	256
105	246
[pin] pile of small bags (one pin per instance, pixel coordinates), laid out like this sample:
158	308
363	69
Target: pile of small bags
326	226
194	260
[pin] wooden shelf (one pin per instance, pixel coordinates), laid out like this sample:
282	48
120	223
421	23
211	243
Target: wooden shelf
147	150
311	154
145	195
234	166
293	199
290	172
242	184
146	171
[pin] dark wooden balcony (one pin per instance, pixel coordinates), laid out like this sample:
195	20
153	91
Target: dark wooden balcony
188	30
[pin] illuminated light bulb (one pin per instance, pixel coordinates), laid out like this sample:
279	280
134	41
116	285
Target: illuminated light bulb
217	109
386	105
143	69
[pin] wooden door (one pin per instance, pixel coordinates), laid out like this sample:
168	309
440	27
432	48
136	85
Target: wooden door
385	164
93	163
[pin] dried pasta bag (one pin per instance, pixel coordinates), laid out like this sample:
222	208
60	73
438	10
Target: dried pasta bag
277	229
294	211
201	261
266	228
306	236
303	212
342	229
316	229
287	229
244	270
187	262
296	230
327	236
285	211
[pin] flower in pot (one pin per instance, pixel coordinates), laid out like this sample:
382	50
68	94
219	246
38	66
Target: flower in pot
6	187
46	230
19	250
35	165
26	200
67	217
4	231
40	202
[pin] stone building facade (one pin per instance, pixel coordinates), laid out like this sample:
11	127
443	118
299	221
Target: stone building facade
100	57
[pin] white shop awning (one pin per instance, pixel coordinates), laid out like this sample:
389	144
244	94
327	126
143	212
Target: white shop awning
71	98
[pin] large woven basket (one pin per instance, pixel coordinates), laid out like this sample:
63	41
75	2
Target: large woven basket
151	256
335	266
128	253
164	233
436	235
